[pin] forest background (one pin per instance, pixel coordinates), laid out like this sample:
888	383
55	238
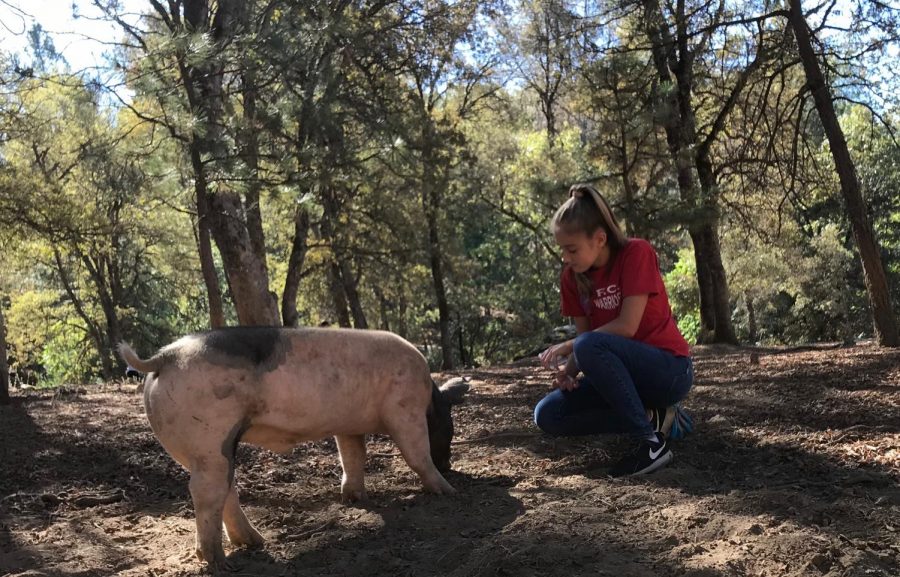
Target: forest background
394	164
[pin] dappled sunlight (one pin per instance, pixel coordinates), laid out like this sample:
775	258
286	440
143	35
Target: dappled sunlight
789	472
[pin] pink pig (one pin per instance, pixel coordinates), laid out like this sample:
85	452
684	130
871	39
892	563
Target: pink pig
275	388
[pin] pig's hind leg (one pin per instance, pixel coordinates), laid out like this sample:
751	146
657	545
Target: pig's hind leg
352	449
240	531
411	436
210	487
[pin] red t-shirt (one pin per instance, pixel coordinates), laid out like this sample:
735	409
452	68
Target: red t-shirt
634	271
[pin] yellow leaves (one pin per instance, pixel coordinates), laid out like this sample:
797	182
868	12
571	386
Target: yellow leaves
29	321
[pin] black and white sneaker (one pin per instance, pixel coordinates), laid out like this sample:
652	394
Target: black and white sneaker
648	457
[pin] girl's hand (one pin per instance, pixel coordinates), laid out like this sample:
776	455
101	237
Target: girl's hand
555	357
564	382
559	359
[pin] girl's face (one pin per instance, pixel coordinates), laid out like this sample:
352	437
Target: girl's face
582	251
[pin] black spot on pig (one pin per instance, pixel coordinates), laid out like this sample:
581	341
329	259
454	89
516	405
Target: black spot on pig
261	347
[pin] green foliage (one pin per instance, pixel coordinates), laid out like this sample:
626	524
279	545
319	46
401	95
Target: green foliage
877	157
68	358
29	324
689	325
800	289
681	286
375	119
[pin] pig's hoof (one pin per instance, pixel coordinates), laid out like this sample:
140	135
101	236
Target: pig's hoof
220	567
441	487
216	563
353	495
251	541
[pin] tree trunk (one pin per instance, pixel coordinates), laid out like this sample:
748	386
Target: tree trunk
228	221
704	286
464	357
751	319
336	281
350	289
4	367
101	272
384	323
721	299
111	316
698	193
250	153
634	226
204	245
435	257
402	305
433	183
295	268
337	295
106	367
247	274
723	329
885	322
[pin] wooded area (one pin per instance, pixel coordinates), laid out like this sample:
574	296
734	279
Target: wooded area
394	164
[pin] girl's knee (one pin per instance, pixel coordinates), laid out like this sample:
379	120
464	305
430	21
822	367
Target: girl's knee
591	343
546	415
581	346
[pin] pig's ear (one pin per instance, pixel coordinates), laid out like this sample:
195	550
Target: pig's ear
454	389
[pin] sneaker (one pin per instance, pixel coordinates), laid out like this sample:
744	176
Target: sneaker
648	457
673	422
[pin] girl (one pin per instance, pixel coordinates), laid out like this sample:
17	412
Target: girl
636	364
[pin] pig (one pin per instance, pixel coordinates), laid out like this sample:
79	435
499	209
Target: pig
275	388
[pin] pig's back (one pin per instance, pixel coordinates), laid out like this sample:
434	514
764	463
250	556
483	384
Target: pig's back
343	381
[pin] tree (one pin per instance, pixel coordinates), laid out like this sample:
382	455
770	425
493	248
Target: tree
541	39
432	132
876	155
678	57
876	281
194	38
4	367
616	90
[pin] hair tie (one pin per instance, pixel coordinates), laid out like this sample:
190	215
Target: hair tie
578	191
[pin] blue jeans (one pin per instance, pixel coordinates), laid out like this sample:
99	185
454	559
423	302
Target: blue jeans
622	379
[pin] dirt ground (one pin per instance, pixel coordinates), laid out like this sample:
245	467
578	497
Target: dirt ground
793	470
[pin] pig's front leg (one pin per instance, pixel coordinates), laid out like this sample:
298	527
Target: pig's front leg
352	449
410	433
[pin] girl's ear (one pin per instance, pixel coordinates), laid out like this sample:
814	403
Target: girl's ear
599	237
